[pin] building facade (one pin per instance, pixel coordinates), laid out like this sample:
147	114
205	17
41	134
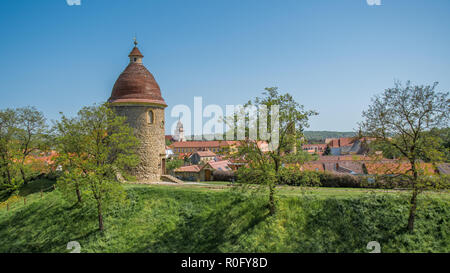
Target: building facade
137	96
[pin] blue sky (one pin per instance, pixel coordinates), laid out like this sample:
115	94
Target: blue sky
331	55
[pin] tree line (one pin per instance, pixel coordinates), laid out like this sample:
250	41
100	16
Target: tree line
92	150
96	147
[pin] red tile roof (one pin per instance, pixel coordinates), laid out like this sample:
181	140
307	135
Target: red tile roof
188	169
220	165
205	153
136	85
396	168
136	52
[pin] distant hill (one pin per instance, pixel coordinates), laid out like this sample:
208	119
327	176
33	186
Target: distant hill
319	136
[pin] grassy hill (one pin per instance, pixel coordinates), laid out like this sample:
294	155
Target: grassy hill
201	219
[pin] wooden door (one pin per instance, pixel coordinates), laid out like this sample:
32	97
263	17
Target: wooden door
207	175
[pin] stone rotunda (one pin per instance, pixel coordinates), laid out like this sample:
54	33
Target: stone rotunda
136	95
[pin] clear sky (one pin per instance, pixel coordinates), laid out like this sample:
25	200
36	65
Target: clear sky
331	55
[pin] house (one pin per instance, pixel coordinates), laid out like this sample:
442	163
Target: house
206	173
396	167
202	173
202	156
314	148
347	146
188	173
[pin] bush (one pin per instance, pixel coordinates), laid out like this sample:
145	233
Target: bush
229	176
334	180
293	177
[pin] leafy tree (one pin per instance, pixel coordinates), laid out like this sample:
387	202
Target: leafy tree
386	148
70	144
327	151
31	135
174	163
400	118
106	146
264	166
10	179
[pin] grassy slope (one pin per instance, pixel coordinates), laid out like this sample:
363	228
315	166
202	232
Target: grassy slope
198	219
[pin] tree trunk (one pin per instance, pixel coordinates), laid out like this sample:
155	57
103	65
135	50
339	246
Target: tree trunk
8	174
272	207
272	199
100	215
25	182
413	202
77	190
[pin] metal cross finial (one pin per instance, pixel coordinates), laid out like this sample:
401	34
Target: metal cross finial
135	41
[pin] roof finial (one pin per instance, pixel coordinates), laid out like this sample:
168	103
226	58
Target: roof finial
135	41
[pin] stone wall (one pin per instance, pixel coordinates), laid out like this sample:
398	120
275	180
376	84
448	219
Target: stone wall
151	137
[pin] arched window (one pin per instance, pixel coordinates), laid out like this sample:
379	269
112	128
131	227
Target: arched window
151	117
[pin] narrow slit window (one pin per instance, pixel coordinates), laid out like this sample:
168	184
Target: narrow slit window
151	117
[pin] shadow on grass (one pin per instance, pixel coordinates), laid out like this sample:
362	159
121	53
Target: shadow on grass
210	232
33	229
36	186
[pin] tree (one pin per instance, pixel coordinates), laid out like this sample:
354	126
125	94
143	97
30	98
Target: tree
327	151
105	146
400	118
10	179
174	163
264	166
70	141
31	134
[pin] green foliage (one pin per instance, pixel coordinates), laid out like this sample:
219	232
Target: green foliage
401	118
388	150
174	163
93	148
23	131
163	219
320	136
293	177
264	166
229	176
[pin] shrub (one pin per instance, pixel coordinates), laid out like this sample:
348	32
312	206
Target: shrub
229	176
328	179
293	177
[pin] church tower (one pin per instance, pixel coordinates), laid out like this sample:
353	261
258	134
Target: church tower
136	95
179	132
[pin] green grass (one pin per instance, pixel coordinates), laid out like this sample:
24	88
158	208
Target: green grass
220	219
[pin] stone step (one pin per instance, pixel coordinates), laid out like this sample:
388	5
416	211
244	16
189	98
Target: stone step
170	178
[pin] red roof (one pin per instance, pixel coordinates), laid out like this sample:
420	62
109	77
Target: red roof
135	52
220	165
188	169
323	146
397	168
205	153
136	85
341	142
